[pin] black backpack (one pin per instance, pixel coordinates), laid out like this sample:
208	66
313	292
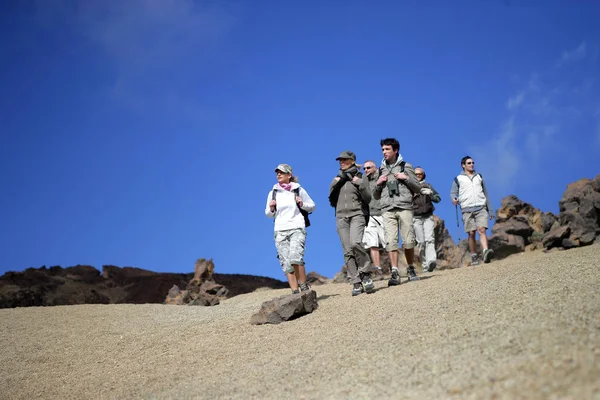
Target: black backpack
303	212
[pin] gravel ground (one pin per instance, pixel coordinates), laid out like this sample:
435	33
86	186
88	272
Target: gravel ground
524	327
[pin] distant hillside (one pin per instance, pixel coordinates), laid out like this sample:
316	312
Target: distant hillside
84	284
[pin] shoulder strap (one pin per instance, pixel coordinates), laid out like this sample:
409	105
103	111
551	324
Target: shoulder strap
482	183
297	193
402	164
457	182
303	212
273	195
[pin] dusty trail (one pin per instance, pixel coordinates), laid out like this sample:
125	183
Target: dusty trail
524	327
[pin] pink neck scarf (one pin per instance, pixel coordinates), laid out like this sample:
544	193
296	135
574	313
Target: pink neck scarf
286	186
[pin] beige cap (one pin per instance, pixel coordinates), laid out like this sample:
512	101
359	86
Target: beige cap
285	168
347	155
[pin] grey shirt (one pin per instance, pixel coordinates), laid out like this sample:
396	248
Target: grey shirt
403	198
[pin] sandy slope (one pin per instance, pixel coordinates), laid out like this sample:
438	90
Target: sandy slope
525	327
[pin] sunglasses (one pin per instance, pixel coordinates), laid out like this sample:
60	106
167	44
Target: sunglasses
418	174
369	167
469	163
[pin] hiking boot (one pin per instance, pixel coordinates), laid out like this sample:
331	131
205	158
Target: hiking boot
357	289
395	279
474	260
367	283
304	287
487	255
295	291
432	266
412	275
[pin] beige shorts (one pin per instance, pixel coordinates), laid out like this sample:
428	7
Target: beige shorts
399	219
374	235
476	219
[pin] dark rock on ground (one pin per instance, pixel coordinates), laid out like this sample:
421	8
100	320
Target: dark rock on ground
518	225
505	244
580	210
286	308
313	278
569	243
554	237
448	254
201	290
342	276
511	207
548	221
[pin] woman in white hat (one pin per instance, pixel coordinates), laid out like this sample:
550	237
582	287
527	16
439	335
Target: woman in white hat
290	204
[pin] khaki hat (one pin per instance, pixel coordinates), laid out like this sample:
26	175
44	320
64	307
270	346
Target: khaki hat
286	169
347	154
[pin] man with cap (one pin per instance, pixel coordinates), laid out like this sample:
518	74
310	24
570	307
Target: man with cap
350	195
395	187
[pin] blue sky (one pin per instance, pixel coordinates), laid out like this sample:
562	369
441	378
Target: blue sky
145	133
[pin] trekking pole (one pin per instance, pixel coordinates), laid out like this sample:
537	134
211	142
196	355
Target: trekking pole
457	226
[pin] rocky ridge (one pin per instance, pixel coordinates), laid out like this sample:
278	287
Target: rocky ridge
84	284
519	227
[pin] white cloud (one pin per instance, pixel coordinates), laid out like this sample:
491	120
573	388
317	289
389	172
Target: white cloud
515	101
499	158
156	47
540	139
544	114
578	53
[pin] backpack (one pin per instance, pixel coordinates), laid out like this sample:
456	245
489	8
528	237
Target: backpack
303	212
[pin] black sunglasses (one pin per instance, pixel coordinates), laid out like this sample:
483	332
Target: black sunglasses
368	167
469	163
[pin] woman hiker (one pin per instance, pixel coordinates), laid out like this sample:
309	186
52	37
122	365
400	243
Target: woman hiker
290	204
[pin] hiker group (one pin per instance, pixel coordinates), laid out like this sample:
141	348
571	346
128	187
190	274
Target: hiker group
371	211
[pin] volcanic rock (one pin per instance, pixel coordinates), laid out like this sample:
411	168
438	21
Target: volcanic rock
286	308
580	210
